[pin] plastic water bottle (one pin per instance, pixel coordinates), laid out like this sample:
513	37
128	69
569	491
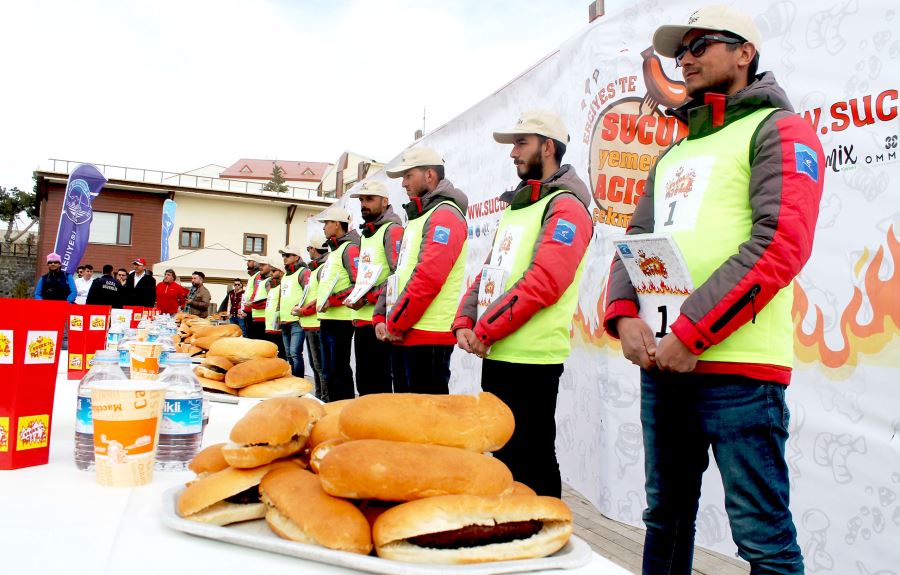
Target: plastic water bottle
182	424
167	349
114	336
124	349
106	368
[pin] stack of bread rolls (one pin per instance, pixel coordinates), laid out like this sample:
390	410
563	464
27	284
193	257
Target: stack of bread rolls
407	475
248	368
196	335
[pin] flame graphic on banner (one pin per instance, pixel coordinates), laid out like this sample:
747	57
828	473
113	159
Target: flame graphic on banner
868	338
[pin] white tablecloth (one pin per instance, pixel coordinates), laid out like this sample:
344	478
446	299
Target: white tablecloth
56	519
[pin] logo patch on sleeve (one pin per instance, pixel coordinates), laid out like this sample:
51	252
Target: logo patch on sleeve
807	161
564	232
441	235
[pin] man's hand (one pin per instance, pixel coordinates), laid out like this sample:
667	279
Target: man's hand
382	333
638	343
673	355
242	314
358	305
325	306
468	341
296	311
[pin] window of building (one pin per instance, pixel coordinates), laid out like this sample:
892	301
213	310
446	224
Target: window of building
110	228
255	244
191	238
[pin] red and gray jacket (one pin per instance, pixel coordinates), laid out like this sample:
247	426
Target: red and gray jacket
433	266
350	261
784	212
315	267
553	266
393	237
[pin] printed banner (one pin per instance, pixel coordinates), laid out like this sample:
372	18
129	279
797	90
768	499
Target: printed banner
85	183
168	224
839	64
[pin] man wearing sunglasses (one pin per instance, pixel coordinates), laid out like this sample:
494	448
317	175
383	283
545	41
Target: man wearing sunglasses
740	196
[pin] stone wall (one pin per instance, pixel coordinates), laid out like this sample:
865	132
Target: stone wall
15	269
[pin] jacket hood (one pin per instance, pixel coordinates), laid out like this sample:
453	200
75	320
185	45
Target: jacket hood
564	178
368	229
445	191
763	92
351	236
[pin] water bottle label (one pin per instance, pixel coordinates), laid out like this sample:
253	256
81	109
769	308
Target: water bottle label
124	358
84	420
163	358
151	337
182	416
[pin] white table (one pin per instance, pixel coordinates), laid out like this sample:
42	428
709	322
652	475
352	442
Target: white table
56	519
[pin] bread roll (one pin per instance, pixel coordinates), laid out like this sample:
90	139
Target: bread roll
318	452
477	423
206	499
224	330
298	509
256	371
520	488
240	349
287	386
271	430
397	471
213	386
325	429
335	407
209	460
458	529
205	372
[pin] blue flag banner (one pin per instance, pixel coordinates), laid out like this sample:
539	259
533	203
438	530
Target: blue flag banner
168	224
85	183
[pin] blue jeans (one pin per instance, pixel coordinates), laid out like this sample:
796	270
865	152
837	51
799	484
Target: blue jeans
336	337
745	421
239	321
292	335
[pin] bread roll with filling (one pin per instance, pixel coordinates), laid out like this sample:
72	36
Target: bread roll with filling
240	349
256	371
273	429
459	529
208	460
224	497
213	386
325	429
287	386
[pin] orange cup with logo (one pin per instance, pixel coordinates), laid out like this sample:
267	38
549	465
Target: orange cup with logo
127	418
145	360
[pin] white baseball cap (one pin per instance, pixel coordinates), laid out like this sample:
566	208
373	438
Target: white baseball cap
717	18
371	188
539	122
275	263
415	158
258	258
334	213
317	240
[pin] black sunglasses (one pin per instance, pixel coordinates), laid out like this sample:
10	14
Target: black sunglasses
698	45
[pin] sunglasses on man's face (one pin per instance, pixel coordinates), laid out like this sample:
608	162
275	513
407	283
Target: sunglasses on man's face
697	46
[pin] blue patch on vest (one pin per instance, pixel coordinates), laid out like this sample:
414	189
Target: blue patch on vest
807	161
625	251
356	262
441	235
564	232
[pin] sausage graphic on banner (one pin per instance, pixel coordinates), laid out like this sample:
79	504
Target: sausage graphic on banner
85	183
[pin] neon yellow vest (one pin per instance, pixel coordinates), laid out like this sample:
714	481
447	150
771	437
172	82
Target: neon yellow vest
371	250
271	312
291	292
701	197
543	339
262	292
334	267
440	314
311	321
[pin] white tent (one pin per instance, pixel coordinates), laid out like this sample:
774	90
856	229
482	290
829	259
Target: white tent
220	264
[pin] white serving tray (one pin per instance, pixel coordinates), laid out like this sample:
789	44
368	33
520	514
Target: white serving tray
257	535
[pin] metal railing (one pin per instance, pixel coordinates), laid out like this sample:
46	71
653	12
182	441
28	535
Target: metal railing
164	178
18	249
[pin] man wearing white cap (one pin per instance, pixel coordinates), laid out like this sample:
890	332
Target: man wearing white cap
740	196
335	284
382	234
317	249
292	285
256	328
245	312
272	311
430	272
523	334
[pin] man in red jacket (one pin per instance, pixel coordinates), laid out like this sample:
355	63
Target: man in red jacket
170	295
430	273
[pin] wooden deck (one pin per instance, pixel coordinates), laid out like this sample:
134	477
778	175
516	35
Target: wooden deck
623	544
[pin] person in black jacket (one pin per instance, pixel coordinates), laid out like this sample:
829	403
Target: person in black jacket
105	290
55	284
141	287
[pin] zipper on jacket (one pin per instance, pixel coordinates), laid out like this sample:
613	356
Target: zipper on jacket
401	310
500	311
749	297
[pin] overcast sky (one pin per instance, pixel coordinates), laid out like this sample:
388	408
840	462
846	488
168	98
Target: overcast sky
175	85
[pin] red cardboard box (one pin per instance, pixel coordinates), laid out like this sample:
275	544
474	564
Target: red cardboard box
88	325
31	334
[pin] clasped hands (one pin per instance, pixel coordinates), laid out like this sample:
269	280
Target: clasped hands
640	348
